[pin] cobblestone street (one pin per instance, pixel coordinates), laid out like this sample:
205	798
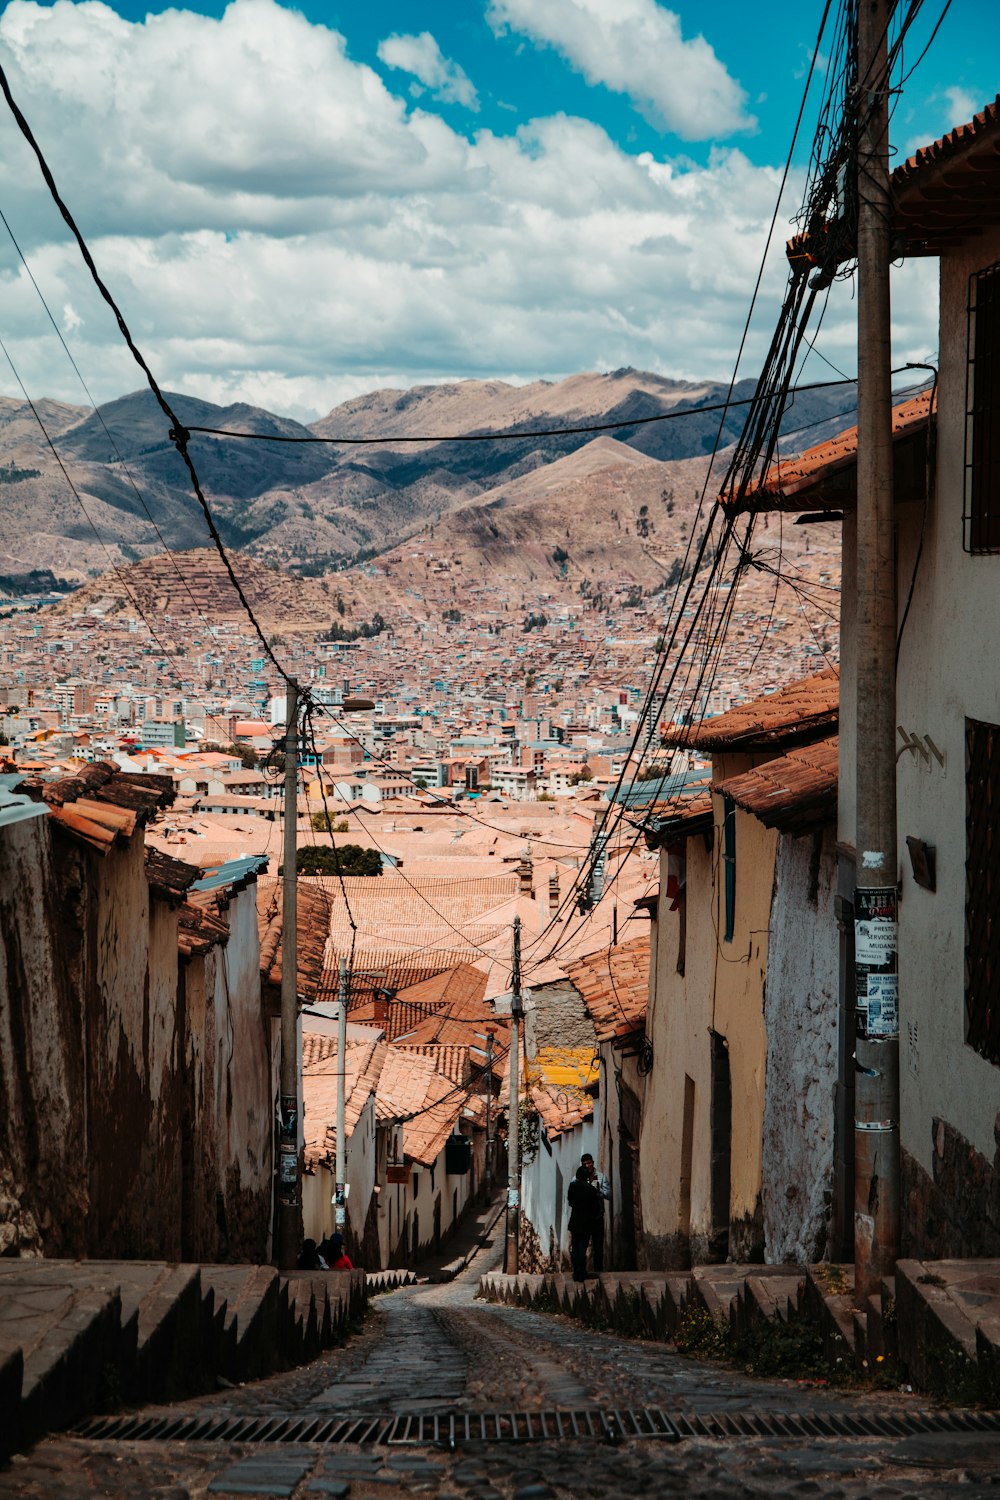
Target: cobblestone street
432	1348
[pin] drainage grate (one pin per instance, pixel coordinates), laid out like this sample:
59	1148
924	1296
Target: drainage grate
453	1429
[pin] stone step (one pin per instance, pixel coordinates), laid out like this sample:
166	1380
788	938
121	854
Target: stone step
62	1325
11	1374
948	1319
828	1300
247	1298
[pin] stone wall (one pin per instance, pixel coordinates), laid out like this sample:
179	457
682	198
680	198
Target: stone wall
955	1214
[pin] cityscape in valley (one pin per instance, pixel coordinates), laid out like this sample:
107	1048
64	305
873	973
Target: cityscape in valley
510	846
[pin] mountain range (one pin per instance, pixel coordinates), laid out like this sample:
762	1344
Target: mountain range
103	488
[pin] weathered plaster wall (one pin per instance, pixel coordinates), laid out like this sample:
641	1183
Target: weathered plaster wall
948	671
801	1017
244	1111
44	1188
677	1025
108	1145
739	973
544	1185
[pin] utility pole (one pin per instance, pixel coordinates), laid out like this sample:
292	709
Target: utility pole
289	1165
876	1127
489	1116
514	1114
339	1211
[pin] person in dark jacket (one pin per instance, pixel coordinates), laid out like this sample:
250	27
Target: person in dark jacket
585	1209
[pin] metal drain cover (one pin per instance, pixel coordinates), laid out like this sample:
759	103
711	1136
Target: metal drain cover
452	1429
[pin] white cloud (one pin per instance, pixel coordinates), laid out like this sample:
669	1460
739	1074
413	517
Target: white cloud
635	47
421	56
279	228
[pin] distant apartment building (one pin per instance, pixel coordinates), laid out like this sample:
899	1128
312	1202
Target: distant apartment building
165	733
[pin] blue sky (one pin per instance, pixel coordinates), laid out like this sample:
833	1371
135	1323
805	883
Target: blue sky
301	204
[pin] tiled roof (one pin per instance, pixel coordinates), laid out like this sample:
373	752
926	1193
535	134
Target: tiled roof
198	930
100	803
950	188
559	1081
312	923
362	1069
802	711
824	477
167	877
412	1089
615	987
462	985
944	193
794	793
452	1061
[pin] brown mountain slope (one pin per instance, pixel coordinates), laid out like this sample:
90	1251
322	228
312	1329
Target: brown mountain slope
199	585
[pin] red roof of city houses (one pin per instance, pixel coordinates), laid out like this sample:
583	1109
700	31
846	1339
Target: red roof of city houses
364	1060
825	477
615	987
803	711
794	793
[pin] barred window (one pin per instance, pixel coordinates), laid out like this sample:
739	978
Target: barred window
982	888
982	414
729	864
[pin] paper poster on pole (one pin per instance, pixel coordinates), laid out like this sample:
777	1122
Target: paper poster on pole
883	1005
875	941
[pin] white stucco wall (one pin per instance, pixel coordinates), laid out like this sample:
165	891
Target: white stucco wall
545	1183
801	1017
949	670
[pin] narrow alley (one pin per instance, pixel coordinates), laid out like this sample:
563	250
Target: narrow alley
432	1348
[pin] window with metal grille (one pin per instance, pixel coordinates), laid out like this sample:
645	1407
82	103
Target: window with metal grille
729	864
982	888
981	519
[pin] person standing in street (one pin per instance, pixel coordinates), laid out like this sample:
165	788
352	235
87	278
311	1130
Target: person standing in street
602	1188
586	1210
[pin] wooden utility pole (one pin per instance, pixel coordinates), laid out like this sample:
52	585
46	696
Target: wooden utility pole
514	1114
289	1165
876	1128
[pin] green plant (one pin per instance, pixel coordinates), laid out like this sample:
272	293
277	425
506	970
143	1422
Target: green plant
323	823
346	859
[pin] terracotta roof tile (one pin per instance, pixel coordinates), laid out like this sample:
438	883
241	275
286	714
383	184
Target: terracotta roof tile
559	1082
312	923
168	877
615	987
824	477
198	930
794	793
320	1072
804	710
950	188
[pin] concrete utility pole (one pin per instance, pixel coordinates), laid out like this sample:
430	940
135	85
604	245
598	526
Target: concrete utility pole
489	1116
339	1208
289	1165
513	1114
876	1127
